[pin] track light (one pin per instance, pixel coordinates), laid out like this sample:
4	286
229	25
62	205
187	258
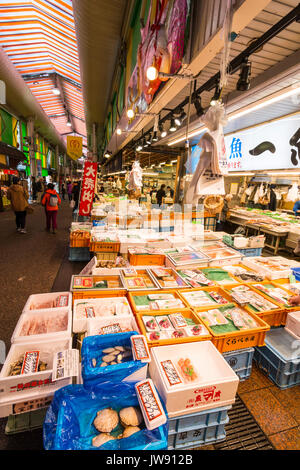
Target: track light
243	83
198	106
107	154
152	73
149	140
144	143
154	138
173	127
216	96
162	130
55	91
139	147
130	113
180	118
119	131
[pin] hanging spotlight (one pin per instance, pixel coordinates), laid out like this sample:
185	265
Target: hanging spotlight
173	127
243	83
162	131
69	124
152	73
154	138
198	106
55	91
130	113
177	121
216	96
182	116
107	154
139	147
119	131
149	139
144	143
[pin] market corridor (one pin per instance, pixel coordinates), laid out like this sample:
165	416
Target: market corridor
29	262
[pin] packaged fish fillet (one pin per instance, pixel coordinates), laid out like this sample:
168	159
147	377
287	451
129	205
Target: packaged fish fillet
178	320
187	370
150	323
213	318
161	296
196	330
157	335
164	322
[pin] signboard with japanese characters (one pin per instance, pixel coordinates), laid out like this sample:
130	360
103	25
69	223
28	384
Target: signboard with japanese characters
271	146
74	146
88	188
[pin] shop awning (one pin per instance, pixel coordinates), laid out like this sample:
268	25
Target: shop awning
10	151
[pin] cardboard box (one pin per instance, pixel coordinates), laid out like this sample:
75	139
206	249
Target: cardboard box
293	324
216	383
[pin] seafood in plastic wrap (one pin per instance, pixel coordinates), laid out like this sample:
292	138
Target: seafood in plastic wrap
36	325
129	431
130	416
187	370
106	420
104	308
112	356
102	439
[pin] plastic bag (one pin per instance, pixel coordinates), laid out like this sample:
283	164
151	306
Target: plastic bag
135	177
92	347
293	195
69	420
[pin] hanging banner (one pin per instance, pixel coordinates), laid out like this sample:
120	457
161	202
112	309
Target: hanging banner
74	146
88	188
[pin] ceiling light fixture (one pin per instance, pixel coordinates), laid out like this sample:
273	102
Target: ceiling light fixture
130	113
162	130
243	83
152	73
119	131
173	127
216	96
198	106
154	138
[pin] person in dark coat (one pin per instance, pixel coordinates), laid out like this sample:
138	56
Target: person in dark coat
273	200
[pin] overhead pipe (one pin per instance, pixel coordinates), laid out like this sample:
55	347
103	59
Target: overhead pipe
23	103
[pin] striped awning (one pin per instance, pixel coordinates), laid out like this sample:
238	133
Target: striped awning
39	38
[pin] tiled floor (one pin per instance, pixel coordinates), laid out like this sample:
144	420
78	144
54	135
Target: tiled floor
276	411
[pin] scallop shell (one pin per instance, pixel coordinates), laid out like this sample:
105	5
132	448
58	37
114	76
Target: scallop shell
99	440
120	348
108	358
130	416
113	363
106	420
103	364
130	430
108	350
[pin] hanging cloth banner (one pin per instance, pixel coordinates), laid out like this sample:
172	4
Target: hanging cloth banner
87	188
74	146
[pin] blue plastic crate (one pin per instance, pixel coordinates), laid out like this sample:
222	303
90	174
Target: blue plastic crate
197	437
245	251
282	350
296	272
282	379
79	254
198	420
240	361
166	229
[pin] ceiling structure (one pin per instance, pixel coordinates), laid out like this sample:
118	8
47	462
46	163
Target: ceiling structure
100	25
39	38
273	56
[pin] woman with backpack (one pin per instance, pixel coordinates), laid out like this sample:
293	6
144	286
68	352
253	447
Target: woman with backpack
51	200
18	197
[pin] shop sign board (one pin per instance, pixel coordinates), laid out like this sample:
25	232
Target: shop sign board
88	188
74	146
270	146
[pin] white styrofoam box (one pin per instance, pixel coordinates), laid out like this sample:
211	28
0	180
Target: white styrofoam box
18	405
216	384
240	242
35	299
38	382
80	324
293	323
105	271
272	274
126	323
41	316
225	261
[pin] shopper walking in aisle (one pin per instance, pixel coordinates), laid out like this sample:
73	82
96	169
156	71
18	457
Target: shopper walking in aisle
51	201
76	193
40	188
18	197
160	194
69	189
63	190
33	188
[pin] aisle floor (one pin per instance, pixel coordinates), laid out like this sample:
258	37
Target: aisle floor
37	262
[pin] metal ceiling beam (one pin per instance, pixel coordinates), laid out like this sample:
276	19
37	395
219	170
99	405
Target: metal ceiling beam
65	103
24	104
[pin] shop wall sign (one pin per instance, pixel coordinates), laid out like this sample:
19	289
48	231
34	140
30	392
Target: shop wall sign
271	146
74	146
88	188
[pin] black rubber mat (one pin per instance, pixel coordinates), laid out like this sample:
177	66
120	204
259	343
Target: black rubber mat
242	431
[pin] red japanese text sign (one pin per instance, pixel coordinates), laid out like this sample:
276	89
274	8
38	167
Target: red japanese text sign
88	188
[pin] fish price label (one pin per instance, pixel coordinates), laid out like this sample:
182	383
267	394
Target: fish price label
149	402
31	362
170	372
140	348
111	329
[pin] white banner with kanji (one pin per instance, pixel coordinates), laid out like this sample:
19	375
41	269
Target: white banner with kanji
88	188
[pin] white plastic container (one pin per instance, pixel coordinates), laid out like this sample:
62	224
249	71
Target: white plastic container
25	386
293	324
18	405
42	316
111	325
240	242
36	299
80	323
215	386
